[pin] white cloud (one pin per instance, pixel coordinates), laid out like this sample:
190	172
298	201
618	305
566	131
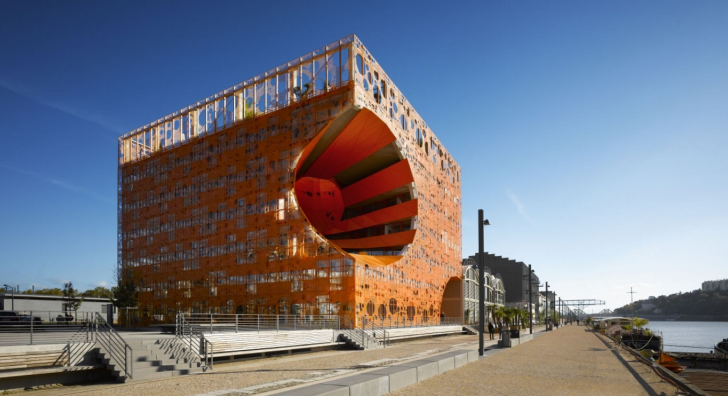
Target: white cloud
58	183
519	205
64	108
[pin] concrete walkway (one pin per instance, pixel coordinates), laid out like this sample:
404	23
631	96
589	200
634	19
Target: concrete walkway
569	361
276	373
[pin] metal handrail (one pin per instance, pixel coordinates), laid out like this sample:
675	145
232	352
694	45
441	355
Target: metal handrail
193	336
117	348
212	352
414	322
212	323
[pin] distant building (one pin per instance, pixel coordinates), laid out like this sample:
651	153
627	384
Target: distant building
515	279
48	307
721	285
648	307
494	292
550	300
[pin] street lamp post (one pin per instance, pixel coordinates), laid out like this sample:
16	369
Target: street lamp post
481	282
530	300
546	322
12	295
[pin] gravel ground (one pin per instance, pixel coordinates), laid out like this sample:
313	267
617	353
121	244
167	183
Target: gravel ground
232	378
569	361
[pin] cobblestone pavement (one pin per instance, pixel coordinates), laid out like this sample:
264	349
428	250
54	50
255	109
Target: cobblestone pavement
569	361
262	375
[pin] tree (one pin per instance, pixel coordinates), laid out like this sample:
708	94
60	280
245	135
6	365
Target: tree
48	292
498	313
509	314
302	93
125	294
99	291
71	302
639	323
523	313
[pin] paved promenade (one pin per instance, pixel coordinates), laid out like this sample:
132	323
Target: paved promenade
276	373
569	361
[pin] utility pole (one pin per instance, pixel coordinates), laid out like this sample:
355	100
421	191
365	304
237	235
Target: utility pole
631	299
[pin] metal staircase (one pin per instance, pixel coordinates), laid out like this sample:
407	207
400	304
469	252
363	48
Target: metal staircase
368	337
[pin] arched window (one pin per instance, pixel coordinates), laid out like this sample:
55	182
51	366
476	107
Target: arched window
370	308
392	306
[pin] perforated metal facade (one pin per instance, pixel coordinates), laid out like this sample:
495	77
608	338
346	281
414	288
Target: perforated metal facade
312	188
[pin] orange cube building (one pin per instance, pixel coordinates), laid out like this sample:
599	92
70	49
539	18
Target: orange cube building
314	188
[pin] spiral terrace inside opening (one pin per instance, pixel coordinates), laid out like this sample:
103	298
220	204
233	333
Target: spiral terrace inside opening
356	188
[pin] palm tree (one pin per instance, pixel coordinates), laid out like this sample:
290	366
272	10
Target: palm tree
509	314
498	313
524	316
639	323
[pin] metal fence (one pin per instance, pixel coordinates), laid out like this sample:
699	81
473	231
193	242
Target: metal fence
402	322
45	327
220	323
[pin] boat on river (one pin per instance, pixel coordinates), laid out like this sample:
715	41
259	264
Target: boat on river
721	349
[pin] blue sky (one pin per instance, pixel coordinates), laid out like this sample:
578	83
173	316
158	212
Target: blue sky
593	134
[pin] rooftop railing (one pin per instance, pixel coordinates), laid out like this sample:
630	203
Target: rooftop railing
313	74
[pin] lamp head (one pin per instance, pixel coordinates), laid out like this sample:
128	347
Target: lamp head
486	222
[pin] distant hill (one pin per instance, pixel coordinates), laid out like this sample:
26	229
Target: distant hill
712	305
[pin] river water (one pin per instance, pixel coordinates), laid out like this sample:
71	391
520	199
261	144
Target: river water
690	336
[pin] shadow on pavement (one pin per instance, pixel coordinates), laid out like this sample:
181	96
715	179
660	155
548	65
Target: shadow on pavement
647	387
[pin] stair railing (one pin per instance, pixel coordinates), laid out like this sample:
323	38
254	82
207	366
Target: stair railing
379	333
117	348
357	335
193	337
